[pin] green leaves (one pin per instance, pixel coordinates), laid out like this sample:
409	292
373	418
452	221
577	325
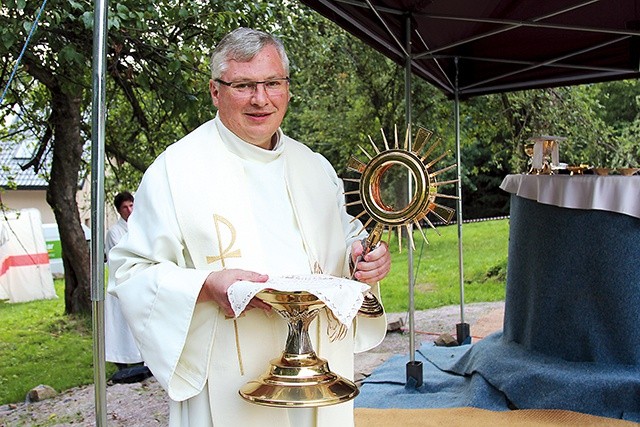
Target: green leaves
87	20
70	54
9	39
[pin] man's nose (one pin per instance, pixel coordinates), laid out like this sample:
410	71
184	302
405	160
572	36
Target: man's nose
260	96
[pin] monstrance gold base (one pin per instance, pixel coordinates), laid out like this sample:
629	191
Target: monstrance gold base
299	378
299	382
371	307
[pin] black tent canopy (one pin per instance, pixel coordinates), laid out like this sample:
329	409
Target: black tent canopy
479	47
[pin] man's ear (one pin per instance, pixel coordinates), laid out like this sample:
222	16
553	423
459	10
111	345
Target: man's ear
214	92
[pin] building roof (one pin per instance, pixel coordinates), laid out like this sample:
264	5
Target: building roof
12	157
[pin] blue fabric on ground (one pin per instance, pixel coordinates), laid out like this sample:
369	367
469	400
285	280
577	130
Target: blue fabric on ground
385	388
532	380
493	373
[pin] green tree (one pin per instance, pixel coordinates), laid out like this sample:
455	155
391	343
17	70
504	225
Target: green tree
497	127
621	111
157	59
345	92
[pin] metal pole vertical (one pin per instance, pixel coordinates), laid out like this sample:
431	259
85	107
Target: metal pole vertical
462	329
97	207
407	95
414	369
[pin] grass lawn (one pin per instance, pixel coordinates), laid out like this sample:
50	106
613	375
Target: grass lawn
436	272
41	345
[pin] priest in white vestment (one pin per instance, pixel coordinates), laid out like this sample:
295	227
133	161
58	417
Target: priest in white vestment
236	199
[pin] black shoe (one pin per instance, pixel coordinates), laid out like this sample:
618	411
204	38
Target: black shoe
134	374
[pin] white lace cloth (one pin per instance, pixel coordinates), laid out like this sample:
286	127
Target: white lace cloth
342	296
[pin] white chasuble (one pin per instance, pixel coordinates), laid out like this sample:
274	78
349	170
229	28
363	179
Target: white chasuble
194	214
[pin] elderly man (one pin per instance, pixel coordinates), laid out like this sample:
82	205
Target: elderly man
236	199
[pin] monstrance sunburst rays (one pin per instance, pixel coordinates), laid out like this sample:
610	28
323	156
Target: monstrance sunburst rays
423	201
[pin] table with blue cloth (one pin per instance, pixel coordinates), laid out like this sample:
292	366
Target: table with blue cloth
572	309
573	274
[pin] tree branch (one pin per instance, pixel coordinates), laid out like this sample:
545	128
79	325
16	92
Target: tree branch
127	89
36	160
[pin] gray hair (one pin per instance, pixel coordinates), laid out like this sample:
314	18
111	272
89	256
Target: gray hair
242	44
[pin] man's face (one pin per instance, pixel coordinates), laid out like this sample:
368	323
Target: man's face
125	209
254	118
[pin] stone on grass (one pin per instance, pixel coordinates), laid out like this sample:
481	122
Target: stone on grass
40	393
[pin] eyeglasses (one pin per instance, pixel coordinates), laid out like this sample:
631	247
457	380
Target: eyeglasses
248	88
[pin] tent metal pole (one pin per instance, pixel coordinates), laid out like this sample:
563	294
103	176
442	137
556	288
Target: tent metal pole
414	369
407	95
462	328
98	115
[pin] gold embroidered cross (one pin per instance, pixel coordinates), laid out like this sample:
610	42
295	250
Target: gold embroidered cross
226	252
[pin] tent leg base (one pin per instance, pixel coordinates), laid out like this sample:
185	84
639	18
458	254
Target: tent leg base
414	374
463	333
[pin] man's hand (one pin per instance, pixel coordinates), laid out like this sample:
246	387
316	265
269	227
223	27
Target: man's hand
217	282
374	266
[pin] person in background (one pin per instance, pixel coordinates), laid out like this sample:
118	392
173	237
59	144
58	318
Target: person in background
120	347
237	199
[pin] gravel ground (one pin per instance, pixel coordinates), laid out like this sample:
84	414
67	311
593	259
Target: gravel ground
146	405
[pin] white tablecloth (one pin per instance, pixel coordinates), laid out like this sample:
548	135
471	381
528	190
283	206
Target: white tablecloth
615	193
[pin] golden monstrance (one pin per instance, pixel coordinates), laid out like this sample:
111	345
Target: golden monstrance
420	205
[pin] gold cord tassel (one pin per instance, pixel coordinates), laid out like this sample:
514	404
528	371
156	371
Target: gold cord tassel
235	328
